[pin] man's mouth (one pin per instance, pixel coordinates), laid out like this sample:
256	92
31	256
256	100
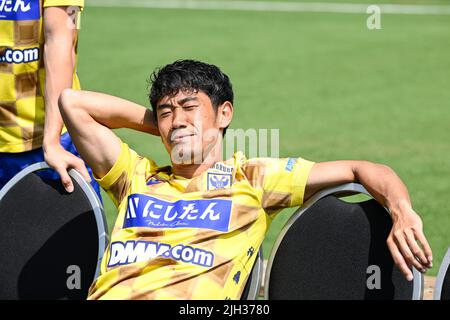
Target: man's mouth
181	137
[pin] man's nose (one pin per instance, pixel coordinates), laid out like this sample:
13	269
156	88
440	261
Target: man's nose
179	118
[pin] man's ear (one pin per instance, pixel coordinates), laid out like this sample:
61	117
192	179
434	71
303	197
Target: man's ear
151	122
224	114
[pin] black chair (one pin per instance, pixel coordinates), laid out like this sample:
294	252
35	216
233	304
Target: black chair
51	242
442	286
334	250
253	285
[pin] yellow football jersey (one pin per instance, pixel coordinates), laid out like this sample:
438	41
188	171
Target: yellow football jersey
178	238
22	72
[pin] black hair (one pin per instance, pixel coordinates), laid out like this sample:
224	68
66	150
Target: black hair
191	76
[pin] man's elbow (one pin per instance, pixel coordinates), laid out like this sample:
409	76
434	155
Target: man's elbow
66	101
380	166
364	167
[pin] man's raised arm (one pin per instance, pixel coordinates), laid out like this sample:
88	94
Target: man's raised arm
90	116
388	189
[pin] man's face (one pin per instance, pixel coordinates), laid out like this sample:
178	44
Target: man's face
189	126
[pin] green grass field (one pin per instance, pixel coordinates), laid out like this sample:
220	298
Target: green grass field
335	89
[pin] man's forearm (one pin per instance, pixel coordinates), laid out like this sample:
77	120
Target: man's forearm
385	186
112	112
59	60
407	230
59	67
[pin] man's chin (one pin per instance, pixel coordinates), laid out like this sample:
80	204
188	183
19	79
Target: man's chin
186	155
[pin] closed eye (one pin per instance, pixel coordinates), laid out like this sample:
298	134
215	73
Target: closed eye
164	114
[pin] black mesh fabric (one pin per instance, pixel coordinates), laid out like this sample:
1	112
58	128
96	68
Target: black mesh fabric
445	292
43	231
327	251
246	291
252	277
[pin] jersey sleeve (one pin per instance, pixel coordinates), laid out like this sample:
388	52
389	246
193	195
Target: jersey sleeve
63	3
118	179
280	183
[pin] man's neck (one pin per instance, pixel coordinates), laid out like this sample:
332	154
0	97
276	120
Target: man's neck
190	171
193	170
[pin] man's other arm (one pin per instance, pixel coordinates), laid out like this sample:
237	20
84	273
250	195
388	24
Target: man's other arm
389	190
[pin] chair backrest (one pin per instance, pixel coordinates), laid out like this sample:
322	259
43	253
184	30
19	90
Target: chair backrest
442	286
331	249
253	285
51	242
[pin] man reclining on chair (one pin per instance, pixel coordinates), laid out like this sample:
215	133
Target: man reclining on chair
192	230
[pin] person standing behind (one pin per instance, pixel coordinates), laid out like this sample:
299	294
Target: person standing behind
38	59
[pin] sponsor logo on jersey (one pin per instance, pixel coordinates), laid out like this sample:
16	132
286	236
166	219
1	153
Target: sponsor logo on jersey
20	56
290	164
132	251
151	212
221	167
19	10
153	181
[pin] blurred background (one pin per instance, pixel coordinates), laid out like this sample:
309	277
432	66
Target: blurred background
333	87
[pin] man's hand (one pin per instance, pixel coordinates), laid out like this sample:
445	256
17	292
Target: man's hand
62	161
404	239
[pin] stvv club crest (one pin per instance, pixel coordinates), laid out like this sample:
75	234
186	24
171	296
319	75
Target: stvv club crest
219	176
218	180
